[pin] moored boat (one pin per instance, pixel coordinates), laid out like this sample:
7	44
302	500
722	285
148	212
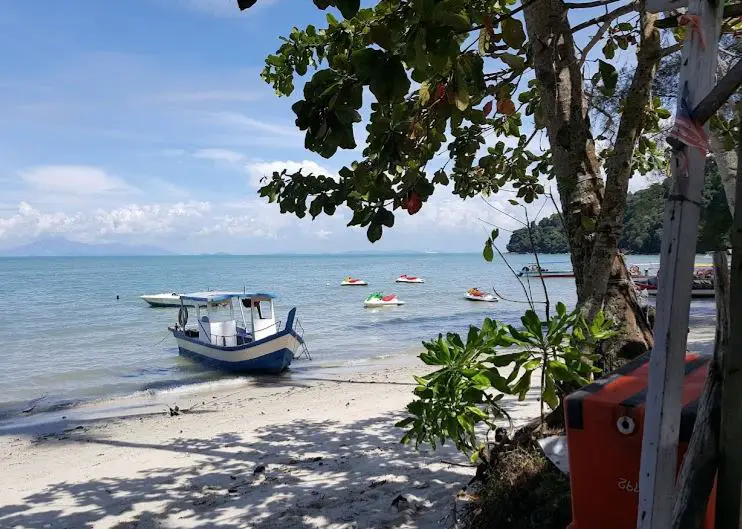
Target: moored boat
353	282
259	345
475	294
404	278
162	300
380	300
533	270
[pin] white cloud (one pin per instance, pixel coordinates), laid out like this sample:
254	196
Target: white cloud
323	234
205	96
258	170
150	219
220	155
74	179
242	121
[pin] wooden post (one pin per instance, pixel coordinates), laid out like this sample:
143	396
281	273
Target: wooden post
662	416
730	455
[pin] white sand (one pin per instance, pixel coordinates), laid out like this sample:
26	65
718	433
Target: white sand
329	446
330	450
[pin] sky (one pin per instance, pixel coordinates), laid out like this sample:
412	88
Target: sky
146	122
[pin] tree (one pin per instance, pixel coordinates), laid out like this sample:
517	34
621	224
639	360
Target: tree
642	222
443	75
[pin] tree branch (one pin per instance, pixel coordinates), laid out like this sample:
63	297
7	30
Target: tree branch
608	17
593	41
718	95
671	49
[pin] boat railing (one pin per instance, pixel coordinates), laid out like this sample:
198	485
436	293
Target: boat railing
304	352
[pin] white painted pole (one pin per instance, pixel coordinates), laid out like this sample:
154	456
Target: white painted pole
663	405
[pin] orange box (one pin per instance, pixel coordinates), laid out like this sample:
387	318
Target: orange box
604	437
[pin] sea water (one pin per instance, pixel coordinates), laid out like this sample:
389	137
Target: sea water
75	329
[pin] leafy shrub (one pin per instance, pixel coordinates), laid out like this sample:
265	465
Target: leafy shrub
465	392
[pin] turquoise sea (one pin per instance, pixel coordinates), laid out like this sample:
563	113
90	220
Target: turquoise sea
67	338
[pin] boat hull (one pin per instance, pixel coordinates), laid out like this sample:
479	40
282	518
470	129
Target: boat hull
354	284
270	355
547	275
374	304
695	293
410	281
162	301
489	298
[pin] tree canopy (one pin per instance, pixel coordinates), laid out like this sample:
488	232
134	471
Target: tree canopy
642	224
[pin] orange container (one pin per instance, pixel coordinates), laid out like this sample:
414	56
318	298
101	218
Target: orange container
604	435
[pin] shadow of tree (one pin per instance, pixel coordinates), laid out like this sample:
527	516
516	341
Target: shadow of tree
299	474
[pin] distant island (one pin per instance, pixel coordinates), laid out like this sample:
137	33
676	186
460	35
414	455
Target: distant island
61	247
642	227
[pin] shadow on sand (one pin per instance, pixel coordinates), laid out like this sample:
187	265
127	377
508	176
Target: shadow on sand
316	474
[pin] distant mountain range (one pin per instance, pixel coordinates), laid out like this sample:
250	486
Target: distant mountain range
61	247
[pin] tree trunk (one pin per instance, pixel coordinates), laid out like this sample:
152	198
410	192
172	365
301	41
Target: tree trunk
601	277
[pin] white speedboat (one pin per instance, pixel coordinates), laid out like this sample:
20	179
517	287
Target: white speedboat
162	300
404	278
534	270
380	300
353	282
475	294
260	344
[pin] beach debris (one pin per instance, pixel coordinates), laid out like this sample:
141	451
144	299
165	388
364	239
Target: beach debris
78	427
174	411
259	469
378	483
400	502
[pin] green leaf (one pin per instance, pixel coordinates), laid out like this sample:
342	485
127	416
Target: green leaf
495	234
405	422
374	232
609	74
488	253
462	96
663	113
532	322
512	33
348	8
390	82
516	62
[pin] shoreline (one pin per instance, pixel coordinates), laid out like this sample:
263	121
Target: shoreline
319	451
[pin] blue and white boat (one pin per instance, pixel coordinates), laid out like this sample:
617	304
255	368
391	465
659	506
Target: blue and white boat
259	345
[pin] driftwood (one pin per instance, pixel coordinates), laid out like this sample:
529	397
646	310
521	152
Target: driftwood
701	460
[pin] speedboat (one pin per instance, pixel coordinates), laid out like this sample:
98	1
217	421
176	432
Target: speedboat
380	300
475	294
259	344
162	300
353	282
533	270
404	278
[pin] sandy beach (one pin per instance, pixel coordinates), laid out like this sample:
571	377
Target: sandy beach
317	452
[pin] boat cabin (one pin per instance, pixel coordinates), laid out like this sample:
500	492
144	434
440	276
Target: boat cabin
219	322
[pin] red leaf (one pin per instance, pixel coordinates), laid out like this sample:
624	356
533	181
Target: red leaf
414	203
440	92
506	106
487	109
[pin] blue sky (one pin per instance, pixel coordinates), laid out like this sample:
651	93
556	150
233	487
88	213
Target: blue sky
146	122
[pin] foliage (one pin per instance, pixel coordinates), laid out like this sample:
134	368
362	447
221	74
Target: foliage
548	236
466	389
642	228
436	76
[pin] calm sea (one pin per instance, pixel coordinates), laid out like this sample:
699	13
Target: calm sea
66	337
